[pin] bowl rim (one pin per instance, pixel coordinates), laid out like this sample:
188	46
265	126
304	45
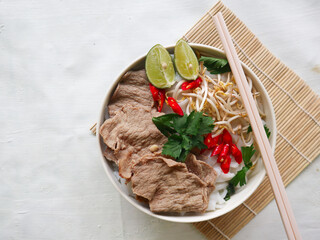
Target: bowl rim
180	219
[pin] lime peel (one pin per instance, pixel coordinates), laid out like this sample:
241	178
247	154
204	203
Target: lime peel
186	61
159	67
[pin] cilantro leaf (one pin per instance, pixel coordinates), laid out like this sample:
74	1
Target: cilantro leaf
249	129
206	125
194	120
164	123
215	65
266	129
166	118
173	146
230	191
197	141
247	153
180	123
183	156
199	124
184	133
240	177
186	142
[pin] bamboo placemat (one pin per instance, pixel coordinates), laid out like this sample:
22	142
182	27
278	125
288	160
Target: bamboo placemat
294	102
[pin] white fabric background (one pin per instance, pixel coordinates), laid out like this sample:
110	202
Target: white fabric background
57	60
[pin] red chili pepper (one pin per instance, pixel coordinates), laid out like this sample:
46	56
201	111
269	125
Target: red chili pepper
175	106
158	96
236	153
191	84
216	140
217	150
186	86
208	140
154	91
225	150
198	82
226	137
162	96
238	159
211	142
225	165
235	150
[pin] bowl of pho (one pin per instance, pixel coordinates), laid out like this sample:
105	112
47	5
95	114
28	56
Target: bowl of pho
175	138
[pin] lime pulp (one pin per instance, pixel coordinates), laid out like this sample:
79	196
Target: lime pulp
159	67
186	61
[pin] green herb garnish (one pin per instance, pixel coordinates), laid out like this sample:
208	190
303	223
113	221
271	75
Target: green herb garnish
249	129
215	65
240	177
266	129
184	133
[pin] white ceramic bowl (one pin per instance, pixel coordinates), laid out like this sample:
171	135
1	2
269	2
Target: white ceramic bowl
255	177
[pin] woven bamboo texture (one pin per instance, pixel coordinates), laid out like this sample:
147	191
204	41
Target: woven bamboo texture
294	102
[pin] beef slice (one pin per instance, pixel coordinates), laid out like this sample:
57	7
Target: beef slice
133	89
168	185
130	134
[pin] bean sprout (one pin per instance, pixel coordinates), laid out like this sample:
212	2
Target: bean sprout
218	96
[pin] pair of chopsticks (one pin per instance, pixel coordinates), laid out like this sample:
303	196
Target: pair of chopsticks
278	188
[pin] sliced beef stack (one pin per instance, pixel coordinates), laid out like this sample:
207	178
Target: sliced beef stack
130	134
131	139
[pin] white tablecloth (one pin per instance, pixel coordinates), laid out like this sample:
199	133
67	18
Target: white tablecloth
57	60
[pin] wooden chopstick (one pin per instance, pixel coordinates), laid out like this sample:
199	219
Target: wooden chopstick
93	129
278	188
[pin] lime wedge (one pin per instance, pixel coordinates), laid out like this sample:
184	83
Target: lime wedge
186	61
159	67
